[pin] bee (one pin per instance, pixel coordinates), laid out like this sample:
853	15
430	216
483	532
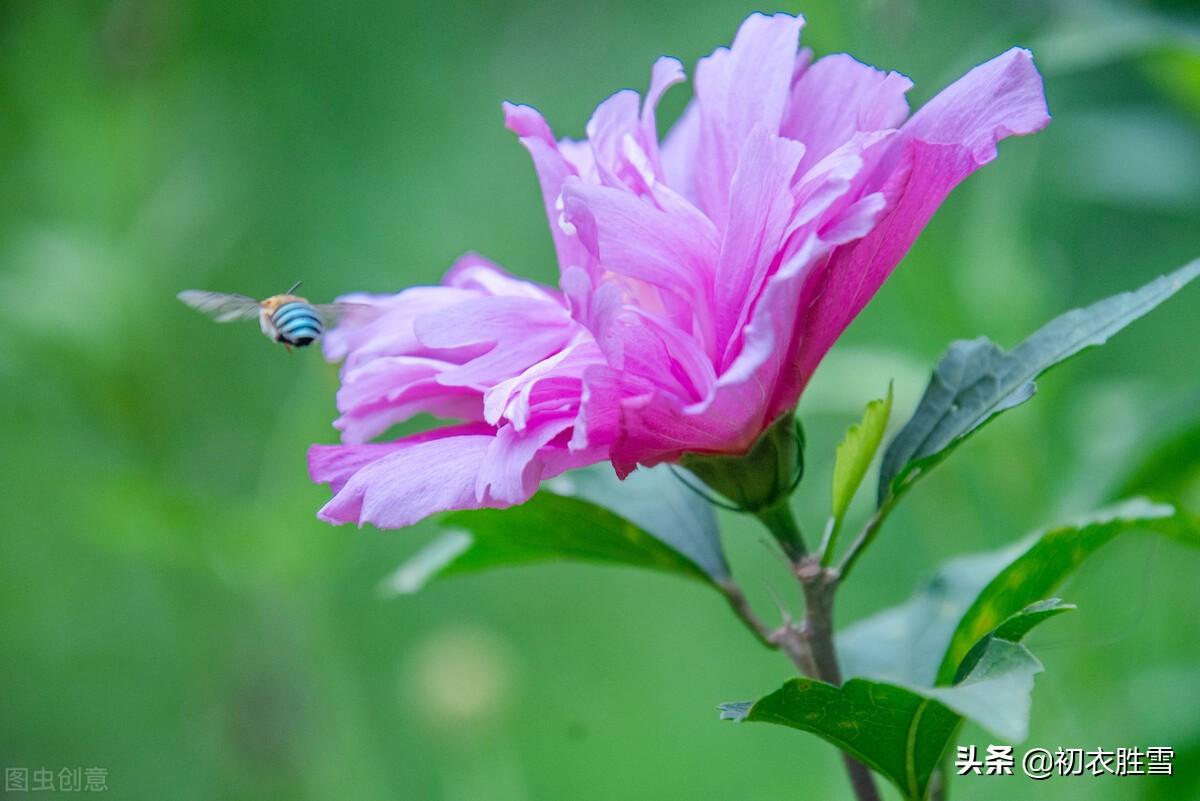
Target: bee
288	319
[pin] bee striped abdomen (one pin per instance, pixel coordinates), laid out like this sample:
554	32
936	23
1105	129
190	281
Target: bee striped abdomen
297	323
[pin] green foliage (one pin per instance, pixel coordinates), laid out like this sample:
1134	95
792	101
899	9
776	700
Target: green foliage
952	652
905	643
977	380
855	452
658	502
662	526
1013	629
897	732
902	731
1053	556
915	642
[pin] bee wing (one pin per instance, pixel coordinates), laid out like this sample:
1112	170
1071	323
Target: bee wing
352	313
222	307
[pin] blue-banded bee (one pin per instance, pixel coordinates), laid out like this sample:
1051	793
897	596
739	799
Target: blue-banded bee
288	319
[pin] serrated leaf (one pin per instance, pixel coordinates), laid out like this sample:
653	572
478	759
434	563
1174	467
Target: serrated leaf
977	380
664	527
1048	560
856	451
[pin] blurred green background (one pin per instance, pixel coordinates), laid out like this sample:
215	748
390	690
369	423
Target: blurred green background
171	609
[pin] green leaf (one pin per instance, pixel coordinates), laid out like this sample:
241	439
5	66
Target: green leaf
1013	629
1048	560
856	451
905	643
891	729
912	643
660	504
663	526
977	380
997	692
902	731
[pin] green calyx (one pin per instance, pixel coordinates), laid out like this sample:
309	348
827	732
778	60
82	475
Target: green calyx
761	478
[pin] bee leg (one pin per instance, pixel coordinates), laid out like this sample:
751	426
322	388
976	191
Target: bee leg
288	347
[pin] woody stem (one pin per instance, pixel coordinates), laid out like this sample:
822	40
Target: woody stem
811	646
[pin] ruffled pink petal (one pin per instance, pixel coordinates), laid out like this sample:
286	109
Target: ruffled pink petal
335	464
658	428
1000	98
516	332
390	332
666	73
594	306
757	387
837	180
736	90
614	120
580	156
679	154
680	364
391	389
512	398
474	272
623	133
552	168
598	424
948	139
630	236
395	485
856	221
512	467
838	97
745	395
761	207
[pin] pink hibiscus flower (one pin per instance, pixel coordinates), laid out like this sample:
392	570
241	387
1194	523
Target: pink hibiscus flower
702	280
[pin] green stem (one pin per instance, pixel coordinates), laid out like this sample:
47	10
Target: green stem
741	607
812	648
782	524
832	529
865	538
